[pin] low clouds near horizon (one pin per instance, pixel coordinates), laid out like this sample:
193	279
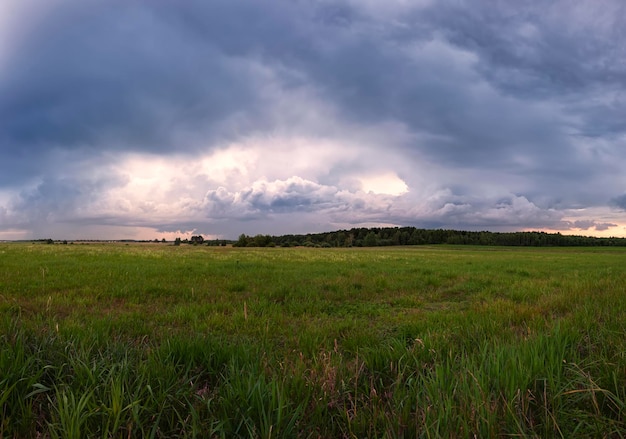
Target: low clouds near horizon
137	119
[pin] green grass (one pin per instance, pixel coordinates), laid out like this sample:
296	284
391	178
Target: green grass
151	340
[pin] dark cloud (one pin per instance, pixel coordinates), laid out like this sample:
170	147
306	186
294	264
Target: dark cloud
619	201
585	225
54	200
126	76
604	226
535	49
107	62
265	198
501	98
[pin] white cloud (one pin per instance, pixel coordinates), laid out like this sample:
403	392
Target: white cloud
388	183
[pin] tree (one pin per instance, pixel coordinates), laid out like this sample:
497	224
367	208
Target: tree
197	239
242	241
261	240
370	240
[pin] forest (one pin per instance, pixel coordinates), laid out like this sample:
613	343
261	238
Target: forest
391	236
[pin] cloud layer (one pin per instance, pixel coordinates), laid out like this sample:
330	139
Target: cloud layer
146	119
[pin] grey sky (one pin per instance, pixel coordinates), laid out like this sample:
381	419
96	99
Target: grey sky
147	119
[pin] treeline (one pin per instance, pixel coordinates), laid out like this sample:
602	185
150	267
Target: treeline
389	236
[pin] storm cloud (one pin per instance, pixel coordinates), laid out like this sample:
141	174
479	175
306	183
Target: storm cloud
154	119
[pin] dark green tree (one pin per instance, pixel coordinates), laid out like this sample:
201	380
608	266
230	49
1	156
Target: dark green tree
370	240
242	241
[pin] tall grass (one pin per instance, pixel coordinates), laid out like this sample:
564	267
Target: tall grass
116	341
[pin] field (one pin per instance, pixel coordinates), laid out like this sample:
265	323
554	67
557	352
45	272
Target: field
154	340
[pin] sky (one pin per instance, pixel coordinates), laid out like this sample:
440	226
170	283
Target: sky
143	119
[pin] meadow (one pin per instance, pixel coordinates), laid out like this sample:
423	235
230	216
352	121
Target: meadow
111	340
